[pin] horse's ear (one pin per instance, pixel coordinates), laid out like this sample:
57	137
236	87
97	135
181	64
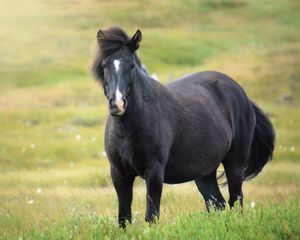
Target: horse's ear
133	43
100	35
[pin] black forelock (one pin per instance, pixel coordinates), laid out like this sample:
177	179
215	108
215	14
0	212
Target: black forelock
109	41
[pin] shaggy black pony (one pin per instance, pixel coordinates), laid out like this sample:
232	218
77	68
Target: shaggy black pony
177	132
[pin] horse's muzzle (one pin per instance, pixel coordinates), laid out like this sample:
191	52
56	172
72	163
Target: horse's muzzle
117	107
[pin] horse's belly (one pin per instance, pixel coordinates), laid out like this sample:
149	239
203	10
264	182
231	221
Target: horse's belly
182	172
186	165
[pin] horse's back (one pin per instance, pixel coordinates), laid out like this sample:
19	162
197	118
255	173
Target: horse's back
207	79
211	91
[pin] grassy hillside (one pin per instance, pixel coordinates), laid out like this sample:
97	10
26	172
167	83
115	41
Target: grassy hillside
52	114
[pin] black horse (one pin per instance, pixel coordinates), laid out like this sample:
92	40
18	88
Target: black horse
177	132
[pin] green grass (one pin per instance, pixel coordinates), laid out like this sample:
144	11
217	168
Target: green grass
260	222
54	177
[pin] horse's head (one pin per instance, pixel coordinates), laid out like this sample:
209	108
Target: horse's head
116	65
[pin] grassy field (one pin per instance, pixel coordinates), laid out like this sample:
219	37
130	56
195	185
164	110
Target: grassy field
54	175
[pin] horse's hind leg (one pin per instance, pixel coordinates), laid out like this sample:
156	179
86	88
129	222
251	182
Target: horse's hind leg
154	182
208	187
234	174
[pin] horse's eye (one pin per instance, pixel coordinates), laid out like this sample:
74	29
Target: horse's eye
105	87
132	66
103	66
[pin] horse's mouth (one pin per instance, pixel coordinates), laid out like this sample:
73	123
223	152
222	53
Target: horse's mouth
115	112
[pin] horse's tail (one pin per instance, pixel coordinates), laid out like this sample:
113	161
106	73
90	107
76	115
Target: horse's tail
262	145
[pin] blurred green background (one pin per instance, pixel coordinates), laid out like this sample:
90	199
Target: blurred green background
52	113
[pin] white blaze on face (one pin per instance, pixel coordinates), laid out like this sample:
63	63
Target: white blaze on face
117	65
119	100
119	96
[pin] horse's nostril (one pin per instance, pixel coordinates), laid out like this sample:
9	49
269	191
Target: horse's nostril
111	102
125	102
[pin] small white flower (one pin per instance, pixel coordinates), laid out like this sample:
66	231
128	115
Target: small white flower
252	204
71	164
30	201
292	148
94	139
32	145
78	137
39	190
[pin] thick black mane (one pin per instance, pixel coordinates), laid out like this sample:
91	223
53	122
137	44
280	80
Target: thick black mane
109	41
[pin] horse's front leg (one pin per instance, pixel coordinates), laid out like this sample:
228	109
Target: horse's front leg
154	181
123	186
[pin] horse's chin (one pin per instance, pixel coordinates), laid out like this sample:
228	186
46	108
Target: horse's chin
117	113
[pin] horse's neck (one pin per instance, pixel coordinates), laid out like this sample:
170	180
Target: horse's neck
145	95
148	91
